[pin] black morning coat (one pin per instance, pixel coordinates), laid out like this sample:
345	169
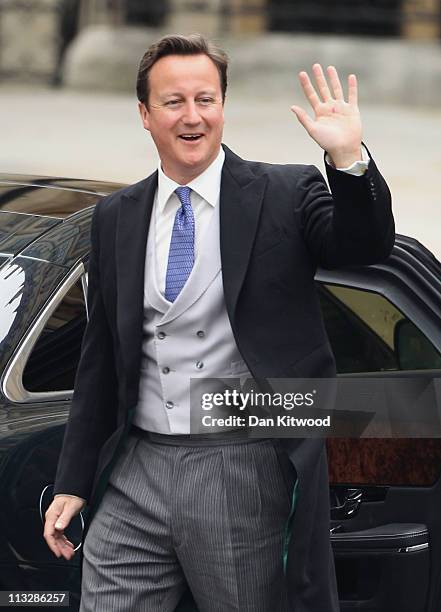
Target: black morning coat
277	224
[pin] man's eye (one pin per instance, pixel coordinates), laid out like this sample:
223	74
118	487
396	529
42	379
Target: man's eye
206	101
172	103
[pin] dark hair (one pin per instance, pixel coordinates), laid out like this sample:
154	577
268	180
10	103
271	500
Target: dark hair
194	44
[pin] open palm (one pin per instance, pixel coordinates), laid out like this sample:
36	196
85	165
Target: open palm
336	125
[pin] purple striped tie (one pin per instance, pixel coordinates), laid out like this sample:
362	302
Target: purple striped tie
181	253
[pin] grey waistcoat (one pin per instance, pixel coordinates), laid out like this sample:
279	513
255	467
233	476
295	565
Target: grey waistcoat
191	337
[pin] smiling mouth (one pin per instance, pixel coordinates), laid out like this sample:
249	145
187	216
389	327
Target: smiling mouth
190	137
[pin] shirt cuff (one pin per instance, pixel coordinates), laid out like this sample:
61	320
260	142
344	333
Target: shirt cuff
358	168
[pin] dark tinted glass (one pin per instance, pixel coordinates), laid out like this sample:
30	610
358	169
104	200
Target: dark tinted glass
369	334
53	362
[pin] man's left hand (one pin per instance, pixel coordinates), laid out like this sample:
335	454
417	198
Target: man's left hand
336	126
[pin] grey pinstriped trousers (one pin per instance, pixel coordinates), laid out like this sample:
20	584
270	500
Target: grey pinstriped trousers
210	516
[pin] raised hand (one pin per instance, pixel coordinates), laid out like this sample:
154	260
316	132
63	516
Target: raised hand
336	125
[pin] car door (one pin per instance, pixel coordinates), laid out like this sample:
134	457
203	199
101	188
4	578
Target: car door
385	321
43	320
36	388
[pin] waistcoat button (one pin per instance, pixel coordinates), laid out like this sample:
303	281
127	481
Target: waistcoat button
199	365
169	405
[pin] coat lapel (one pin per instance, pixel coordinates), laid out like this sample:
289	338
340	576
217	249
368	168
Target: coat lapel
241	200
131	239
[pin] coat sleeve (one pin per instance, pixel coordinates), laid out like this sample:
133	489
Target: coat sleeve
354	225
92	417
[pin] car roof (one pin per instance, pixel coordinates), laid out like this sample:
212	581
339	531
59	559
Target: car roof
55	197
31	205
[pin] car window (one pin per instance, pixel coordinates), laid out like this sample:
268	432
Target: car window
54	358
369	334
366	331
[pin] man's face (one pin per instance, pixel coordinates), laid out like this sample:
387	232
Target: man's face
185	114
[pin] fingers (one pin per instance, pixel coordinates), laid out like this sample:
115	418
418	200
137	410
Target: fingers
335	83
321	82
352	89
323	88
58	517
303	118
309	90
57	541
61	546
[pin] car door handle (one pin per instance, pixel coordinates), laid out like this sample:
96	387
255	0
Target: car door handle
349	507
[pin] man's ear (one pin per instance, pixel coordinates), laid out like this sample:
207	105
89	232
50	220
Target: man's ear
145	115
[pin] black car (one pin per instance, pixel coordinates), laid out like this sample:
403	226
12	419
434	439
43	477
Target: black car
382	321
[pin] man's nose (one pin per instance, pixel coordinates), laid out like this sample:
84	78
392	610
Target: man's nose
191	113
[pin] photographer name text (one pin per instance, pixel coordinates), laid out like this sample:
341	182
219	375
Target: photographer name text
254	421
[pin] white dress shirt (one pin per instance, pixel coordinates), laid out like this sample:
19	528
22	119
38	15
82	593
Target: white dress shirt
204	197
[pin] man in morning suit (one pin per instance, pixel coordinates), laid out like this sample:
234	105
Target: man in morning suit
207	268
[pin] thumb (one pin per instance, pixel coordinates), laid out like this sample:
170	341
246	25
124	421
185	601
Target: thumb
66	516
63	520
303	118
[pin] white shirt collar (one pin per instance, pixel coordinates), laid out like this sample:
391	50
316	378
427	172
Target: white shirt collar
207	184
